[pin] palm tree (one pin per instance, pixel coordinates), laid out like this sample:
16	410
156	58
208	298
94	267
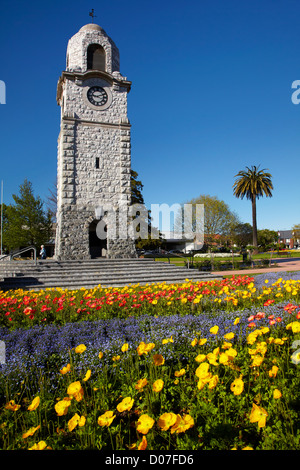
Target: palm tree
253	184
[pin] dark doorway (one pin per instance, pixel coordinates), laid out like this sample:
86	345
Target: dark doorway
98	246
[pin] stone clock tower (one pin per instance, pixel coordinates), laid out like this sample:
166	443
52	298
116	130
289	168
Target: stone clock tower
94	157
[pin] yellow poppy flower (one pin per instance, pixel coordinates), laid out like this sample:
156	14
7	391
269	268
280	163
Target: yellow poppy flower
158	359
144	424
166	420
277	394
100	355
34	404
11	405
80	349
228	336
214	330
258	415
237	386
179	373
65	369
75	390
125	404
72	423
125	347
182	424
226	345
200	358
202	341
82	421
273	371
106	419
61	407
157	385
212	359
262	348
39	446
231	353
202	370
87	375
30	432
294	326
257	360
141	384
223	358
265	329
141	349
149	347
143	444
168	340
213	382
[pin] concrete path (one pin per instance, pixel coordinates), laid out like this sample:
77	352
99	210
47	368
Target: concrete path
284	264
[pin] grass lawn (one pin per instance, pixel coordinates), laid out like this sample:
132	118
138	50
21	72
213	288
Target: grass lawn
180	261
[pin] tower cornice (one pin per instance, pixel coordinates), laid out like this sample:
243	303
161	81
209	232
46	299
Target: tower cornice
79	77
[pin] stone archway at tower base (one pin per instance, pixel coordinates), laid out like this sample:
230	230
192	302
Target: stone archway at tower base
76	235
97	246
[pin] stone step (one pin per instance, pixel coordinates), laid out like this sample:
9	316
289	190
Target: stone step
94	276
121	272
90	273
87	269
71	285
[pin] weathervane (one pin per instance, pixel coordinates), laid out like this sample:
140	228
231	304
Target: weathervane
92	15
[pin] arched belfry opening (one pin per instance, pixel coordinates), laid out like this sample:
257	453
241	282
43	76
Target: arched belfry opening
96	57
97	239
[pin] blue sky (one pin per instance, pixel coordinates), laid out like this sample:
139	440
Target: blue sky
211	94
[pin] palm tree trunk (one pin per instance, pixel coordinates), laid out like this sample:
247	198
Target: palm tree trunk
254	224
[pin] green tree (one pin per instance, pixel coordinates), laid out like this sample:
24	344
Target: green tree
136	189
253	183
137	198
242	235
219	220
51	202
266	238
26	221
5	239
296	233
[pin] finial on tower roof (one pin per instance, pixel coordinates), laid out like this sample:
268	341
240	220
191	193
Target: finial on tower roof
92	14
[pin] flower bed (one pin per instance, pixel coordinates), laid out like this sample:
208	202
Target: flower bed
219	255
198	366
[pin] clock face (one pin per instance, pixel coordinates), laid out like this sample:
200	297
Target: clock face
97	96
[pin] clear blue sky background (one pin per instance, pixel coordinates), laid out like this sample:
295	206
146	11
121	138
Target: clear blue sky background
211	94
